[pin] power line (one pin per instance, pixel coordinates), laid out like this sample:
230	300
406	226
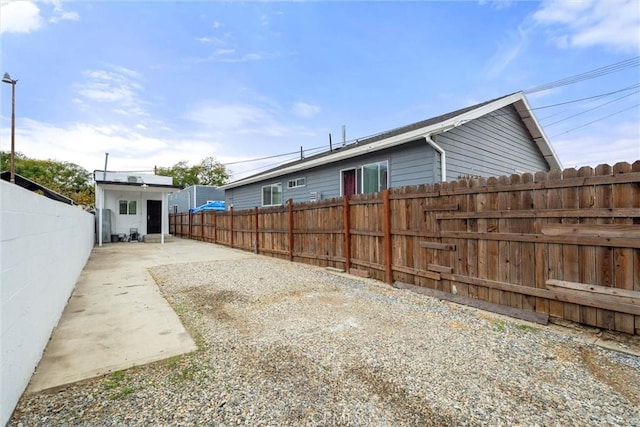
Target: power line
598	72
602	95
591	109
597	120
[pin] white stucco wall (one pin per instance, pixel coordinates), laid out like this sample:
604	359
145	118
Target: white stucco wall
44	246
122	223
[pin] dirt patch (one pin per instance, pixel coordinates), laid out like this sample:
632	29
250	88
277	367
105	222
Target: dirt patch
214	303
621	378
398	399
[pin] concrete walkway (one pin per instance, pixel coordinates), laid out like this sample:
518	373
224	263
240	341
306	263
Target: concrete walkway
116	317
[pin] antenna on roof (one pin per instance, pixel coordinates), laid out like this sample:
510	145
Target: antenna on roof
344	135
301	154
104	172
330	145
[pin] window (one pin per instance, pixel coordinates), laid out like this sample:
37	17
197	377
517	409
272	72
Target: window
298	182
272	195
127	207
369	178
374	177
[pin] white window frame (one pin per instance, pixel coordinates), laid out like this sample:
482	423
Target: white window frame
272	186
128	202
379	183
295	182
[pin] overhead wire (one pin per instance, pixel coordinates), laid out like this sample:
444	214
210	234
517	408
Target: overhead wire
593	108
597	120
598	72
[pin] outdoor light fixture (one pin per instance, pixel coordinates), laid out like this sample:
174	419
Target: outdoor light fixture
7	79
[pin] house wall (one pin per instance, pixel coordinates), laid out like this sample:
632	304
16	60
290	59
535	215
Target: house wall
410	164
205	193
182	200
44	246
120	223
493	145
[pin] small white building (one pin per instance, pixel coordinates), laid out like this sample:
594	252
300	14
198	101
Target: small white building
131	205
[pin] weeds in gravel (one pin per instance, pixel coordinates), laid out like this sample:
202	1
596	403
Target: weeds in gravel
501	326
180	309
526	328
115	385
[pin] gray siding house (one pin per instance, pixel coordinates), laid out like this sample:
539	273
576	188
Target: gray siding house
493	138
194	196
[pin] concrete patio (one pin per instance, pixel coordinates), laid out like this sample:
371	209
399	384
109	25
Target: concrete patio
116	317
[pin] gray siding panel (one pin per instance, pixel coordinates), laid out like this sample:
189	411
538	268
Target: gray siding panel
409	164
184	198
493	145
206	192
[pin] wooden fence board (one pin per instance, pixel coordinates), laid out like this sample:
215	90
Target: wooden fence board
564	244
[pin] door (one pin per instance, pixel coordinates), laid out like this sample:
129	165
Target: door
154	216
349	182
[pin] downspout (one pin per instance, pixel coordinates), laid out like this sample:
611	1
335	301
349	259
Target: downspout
443	156
195	193
99	211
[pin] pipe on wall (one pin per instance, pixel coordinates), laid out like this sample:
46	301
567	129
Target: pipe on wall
443	156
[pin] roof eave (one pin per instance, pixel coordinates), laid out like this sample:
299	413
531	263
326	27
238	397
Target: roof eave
384	143
537	133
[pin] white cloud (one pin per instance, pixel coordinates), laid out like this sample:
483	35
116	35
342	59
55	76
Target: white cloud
304	109
118	86
60	14
24	16
19	17
496	4
614	24
227	121
216	24
590	149
507	52
229	117
224	55
129	148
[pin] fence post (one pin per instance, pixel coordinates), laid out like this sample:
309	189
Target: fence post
190	225
290	229
215	227
257	240
347	238
231	226
388	273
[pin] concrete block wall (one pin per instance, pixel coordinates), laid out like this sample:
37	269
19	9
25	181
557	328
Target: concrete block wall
44	245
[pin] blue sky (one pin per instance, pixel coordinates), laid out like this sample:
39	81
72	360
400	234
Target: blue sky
153	83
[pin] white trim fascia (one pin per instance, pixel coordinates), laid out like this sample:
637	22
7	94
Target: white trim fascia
384	143
537	133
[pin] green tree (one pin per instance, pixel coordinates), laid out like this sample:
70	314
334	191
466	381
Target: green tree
208	172
66	178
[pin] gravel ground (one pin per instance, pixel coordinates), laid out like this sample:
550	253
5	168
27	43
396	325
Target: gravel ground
281	343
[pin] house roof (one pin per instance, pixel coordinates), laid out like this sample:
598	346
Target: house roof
27	184
411	132
135	186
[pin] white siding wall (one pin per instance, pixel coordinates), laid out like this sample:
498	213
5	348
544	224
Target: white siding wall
44	246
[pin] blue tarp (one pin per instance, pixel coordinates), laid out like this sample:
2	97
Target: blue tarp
216	205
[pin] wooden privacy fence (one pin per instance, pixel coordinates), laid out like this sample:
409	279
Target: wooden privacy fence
564	244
